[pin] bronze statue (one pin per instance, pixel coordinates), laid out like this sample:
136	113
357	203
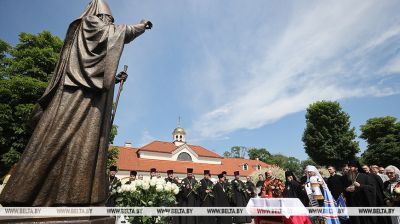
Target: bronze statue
64	163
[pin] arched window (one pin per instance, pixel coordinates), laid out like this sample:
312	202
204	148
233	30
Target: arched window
245	166
184	156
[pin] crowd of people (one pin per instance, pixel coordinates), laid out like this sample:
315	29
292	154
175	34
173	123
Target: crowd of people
354	186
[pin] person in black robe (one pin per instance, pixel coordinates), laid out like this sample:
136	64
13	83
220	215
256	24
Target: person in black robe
132	177
303	194
226	178
260	181
359	192
335	183
206	196
112	187
240	197
251	188
153	173
292	187
189	196
221	198
171	177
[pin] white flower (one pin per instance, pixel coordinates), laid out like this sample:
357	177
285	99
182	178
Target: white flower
124	188
119	190
133	183
132	188
145	186
168	187
174	186
153	182
159	188
146	181
176	191
161	181
138	183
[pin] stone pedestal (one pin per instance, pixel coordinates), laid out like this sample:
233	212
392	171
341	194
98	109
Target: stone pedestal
60	220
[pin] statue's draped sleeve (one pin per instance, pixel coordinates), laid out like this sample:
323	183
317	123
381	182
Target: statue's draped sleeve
89	57
93	60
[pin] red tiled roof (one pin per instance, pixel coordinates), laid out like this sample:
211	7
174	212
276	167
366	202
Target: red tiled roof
169	147
128	160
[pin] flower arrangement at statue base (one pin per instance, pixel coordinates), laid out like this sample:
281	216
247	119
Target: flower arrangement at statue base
147	193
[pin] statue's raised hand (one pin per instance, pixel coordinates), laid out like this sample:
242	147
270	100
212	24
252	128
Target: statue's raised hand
148	25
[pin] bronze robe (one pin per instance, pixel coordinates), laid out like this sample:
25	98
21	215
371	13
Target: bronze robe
64	163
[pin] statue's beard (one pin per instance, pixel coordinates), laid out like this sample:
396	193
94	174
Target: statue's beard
351	176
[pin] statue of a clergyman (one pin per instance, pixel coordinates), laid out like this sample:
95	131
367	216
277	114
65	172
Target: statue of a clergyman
64	163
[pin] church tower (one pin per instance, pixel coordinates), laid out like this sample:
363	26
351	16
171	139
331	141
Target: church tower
179	135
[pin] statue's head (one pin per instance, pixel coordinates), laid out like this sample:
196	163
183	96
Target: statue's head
98	8
104	11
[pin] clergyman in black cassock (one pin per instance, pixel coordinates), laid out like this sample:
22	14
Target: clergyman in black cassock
189	197
132	177
360	192
335	183
114	183
171	179
221	199
240	197
206	196
250	187
292	187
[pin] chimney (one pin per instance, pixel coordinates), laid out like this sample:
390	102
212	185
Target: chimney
257	159
128	144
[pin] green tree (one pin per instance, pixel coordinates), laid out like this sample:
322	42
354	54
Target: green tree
113	152
383	137
328	137
278	159
307	162
292	164
236	152
227	154
24	72
261	153
113	133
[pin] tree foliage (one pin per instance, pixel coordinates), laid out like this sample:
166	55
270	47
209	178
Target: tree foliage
383	137
261	153
328	138
113	152
24	72
285	162
236	152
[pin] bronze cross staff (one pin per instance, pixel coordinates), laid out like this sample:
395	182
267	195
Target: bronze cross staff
121	86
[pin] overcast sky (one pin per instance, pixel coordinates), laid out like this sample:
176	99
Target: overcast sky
240	72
